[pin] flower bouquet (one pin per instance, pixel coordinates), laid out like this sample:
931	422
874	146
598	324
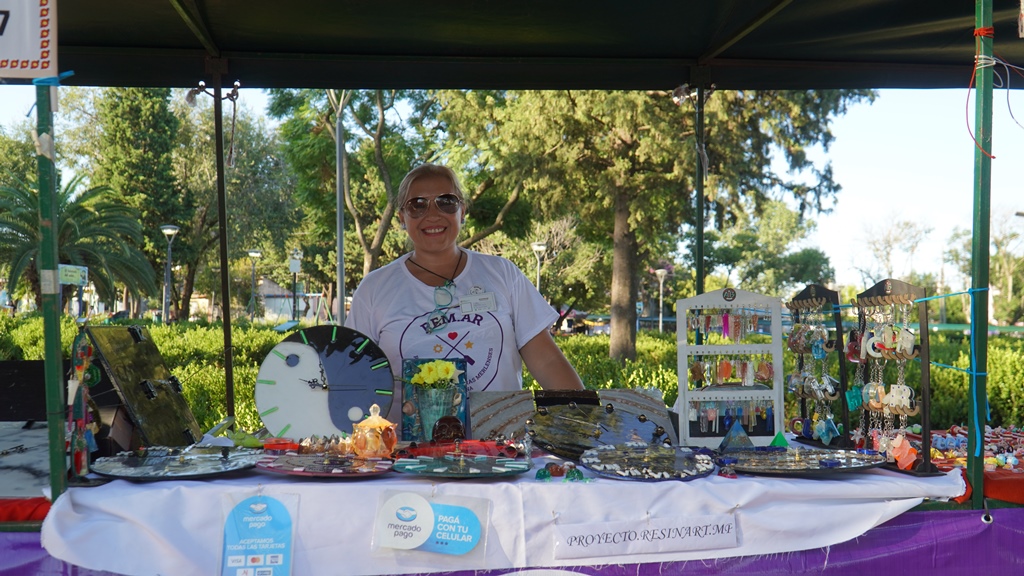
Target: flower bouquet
432	388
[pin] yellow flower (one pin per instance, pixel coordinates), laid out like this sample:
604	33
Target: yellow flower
446	370
435	374
429	373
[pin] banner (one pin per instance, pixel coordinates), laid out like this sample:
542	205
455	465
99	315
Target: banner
28	38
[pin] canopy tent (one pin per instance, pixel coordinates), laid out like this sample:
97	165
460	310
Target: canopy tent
600	44
731	44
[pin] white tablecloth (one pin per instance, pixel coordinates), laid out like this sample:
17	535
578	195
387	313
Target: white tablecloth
176	527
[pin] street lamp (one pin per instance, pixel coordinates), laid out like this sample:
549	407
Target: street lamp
538	249
295	264
170	231
254	255
661	273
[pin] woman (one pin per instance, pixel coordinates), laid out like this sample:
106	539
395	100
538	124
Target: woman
442	301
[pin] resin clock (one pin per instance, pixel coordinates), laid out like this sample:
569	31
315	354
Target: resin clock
320	381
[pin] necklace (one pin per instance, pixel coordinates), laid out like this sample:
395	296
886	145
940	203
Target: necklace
447	280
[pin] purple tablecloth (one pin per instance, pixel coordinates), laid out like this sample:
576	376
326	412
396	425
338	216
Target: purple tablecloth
926	543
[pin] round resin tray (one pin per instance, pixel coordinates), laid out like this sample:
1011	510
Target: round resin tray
647	462
569	430
324	466
461	466
466	447
170	463
802	462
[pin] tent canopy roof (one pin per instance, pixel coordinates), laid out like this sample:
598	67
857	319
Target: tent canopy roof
534	44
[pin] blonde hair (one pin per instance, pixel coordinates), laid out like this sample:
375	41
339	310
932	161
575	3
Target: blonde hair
428	170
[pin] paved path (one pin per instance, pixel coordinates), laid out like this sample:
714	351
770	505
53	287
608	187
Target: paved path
24	473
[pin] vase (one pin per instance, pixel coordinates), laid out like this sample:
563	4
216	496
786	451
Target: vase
432	404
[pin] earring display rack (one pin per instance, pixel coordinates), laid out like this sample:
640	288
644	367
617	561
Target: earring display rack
891	343
737	379
813	299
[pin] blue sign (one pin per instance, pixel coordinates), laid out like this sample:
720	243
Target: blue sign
258	539
408	521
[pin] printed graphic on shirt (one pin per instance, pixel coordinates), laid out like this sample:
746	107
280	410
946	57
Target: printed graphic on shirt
477	338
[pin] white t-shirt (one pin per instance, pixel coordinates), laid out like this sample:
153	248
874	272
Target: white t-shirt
392	307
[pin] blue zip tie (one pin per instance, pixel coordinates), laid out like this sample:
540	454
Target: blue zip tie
979	442
957	368
52	80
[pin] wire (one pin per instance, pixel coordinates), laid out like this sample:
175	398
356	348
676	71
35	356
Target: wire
978	34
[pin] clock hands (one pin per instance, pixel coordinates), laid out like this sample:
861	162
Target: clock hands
314	384
318	383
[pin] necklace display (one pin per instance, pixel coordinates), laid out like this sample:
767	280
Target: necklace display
447	281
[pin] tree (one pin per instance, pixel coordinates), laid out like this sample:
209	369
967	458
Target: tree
375	156
379	146
17	156
262	212
760	256
568	264
885	241
622	161
137	133
1006	266
94	229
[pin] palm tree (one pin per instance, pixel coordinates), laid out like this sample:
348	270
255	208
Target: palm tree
94	229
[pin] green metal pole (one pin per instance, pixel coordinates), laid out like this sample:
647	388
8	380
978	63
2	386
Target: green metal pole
48	281
979	258
699	129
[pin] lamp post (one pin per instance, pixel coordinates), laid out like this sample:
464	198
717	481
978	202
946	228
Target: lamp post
254	255
295	264
538	249
170	231
661	273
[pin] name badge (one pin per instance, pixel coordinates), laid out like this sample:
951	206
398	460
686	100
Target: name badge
483	302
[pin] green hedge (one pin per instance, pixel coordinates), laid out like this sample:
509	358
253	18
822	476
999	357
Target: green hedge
194	353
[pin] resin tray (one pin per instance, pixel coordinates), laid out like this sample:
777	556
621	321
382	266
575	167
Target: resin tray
164	463
569	430
646	462
322	466
461	466
798	462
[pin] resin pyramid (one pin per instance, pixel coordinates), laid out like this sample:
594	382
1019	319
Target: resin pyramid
735	439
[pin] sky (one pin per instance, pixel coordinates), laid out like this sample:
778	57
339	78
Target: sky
908	156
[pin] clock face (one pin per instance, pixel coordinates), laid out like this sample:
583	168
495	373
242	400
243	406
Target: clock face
320	381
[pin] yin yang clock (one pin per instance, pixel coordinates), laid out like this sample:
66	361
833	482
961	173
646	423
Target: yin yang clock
320	381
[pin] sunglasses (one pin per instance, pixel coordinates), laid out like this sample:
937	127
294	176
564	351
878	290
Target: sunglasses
443	298
447	203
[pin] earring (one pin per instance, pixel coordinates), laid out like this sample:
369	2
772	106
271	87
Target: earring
401	225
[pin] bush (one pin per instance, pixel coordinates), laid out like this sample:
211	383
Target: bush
195	354
25	338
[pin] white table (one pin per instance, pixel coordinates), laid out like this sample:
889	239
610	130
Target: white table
176	527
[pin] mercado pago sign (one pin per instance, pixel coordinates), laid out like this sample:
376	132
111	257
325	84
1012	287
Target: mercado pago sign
28	38
436	524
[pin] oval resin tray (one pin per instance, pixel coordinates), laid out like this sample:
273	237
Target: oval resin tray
647	462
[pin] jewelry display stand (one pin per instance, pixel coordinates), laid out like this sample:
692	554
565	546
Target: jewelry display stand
894	341
711	399
814	299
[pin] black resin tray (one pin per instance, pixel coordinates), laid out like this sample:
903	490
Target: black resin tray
569	430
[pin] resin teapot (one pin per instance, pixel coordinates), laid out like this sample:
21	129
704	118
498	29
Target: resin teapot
375	436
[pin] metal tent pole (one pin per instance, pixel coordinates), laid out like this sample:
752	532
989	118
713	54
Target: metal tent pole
50	286
980	254
225	283
699	129
341	163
